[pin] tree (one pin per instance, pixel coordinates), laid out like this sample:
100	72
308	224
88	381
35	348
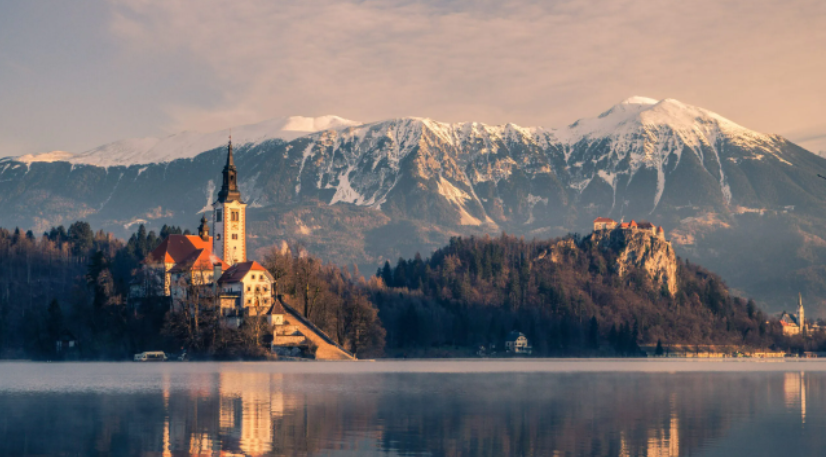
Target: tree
194	319
81	237
386	273
54	321
593	333
364	334
279	263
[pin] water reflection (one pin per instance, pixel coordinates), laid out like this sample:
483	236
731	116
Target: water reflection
238	410
794	390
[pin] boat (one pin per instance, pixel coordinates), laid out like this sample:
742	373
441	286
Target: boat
151	356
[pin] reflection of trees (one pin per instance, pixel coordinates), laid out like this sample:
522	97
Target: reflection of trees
261	413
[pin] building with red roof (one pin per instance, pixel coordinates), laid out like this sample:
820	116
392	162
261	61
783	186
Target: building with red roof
188	256
246	285
604	223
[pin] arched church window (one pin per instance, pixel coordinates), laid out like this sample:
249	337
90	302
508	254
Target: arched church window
218	236
218	214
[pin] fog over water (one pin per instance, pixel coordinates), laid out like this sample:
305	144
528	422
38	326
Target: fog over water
439	408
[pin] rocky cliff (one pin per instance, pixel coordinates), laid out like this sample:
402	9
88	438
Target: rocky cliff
640	249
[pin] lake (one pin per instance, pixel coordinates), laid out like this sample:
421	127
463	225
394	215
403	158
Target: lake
411	408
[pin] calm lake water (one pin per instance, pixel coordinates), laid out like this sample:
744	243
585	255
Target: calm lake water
432	408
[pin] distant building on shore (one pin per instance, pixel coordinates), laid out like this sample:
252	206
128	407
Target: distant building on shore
794	324
517	343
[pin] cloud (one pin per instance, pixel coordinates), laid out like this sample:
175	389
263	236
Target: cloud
758	62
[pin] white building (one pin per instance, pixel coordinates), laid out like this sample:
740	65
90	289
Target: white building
517	343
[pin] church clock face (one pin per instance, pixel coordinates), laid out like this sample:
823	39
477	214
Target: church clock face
235	226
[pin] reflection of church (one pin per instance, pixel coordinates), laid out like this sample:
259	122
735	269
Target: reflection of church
218	264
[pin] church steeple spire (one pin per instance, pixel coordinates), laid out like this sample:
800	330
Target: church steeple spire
203	230
229	189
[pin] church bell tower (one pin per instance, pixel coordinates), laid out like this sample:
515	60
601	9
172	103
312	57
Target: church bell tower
229	240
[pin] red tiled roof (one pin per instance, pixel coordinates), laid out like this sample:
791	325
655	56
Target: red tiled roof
186	252
632	224
237	272
660	229
276	308
200	259
174	249
604	219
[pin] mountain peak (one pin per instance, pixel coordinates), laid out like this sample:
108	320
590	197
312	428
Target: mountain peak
638	100
635	114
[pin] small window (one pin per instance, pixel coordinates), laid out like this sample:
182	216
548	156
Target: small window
218	215
253	276
234	236
236	216
218	236
249	288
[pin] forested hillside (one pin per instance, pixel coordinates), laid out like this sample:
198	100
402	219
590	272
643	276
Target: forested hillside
566	295
570	296
76	282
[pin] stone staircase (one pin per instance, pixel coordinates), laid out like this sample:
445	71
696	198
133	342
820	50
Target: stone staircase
304	329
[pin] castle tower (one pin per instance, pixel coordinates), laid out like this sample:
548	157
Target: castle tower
229	241
800	315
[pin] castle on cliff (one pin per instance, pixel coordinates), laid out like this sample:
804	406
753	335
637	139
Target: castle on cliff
604	223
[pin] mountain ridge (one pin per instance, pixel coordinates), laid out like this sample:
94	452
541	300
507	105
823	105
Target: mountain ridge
364	193
187	144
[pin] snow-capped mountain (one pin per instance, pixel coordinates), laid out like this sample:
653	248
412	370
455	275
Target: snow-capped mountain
186	145
618	163
362	193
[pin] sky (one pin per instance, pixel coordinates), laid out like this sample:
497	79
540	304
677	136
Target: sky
75	75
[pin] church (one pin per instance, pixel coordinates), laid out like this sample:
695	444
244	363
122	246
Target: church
217	264
213	267
794	324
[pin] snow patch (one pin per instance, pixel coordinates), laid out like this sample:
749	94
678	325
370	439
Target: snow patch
209	191
134	222
344	192
458	197
532	201
49	157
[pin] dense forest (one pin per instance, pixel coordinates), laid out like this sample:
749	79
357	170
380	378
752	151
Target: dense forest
564	294
74	284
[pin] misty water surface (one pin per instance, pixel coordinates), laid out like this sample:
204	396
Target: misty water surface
434	408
